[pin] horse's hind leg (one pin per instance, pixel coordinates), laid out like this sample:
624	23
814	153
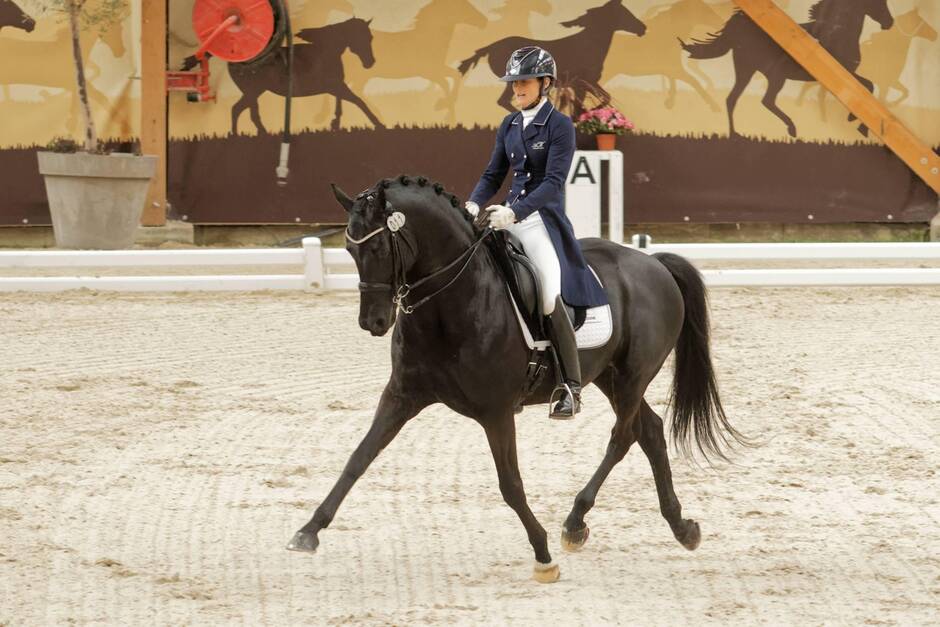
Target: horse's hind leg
255	112
394	410
653	442
501	435
870	86
347	94
774	85
240	105
742	78
624	395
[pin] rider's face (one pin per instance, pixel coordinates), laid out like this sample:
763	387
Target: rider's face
526	91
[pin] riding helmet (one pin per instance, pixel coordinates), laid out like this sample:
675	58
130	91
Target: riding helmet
529	62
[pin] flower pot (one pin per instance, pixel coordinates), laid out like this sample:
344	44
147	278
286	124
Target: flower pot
606	141
96	200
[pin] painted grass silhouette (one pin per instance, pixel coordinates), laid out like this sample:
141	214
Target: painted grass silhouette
710	179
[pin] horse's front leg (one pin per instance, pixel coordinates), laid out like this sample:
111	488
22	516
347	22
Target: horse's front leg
501	435
395	409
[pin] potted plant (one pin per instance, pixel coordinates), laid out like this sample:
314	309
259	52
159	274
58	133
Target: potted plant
606	123
95	198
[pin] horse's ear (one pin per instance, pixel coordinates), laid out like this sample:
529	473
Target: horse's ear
341	197
369	21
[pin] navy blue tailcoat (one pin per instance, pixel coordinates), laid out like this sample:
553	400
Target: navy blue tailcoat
540	156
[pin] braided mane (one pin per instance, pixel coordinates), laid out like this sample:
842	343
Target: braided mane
429	186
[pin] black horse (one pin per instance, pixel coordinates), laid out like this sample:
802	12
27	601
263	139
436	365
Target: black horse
317	69
459	343
580	57
13	16
836	24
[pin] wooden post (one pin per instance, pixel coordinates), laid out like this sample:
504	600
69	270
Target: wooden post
817	61
153	120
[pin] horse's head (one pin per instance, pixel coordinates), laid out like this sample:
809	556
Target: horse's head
699	13
113	38
359	38
878	10
610	16
913	25
388	223
369	241
452	12
12	15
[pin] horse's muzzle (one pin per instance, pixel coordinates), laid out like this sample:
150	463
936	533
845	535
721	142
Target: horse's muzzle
376	315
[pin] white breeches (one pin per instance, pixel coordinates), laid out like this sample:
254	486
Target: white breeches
538	246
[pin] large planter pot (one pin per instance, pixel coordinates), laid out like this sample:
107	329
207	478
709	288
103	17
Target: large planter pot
606	141
96	200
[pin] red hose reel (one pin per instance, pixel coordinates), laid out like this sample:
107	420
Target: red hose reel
236	31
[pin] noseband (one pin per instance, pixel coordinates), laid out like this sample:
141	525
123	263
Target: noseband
400	287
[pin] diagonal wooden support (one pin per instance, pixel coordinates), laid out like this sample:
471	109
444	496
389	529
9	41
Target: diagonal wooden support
817	61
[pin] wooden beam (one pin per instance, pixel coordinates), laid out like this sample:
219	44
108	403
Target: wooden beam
817	61
153	121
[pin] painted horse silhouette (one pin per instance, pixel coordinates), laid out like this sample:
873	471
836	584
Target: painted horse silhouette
317	69
580	57
884	57
422	51
656	53
836	24
14	17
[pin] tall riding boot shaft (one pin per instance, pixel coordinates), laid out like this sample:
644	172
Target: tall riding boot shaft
566	348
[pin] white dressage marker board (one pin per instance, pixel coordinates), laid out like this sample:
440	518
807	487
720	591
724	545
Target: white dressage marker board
583	193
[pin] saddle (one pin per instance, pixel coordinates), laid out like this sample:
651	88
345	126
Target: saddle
524	286
525	291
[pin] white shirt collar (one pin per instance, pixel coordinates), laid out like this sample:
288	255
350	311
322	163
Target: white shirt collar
529	114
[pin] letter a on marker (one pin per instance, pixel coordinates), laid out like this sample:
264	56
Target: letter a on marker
585	173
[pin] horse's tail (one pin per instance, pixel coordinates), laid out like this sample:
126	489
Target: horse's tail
718	44
697	411
469	62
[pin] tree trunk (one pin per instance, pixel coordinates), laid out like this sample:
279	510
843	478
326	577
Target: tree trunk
91	136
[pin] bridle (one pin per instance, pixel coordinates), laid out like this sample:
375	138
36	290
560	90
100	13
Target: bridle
400	287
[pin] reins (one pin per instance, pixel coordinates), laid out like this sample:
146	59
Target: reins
400	287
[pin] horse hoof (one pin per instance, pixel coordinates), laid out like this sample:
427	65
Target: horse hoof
303	542
546	573
692	536
572	541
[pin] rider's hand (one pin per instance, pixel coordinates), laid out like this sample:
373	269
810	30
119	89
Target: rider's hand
472	208
501	216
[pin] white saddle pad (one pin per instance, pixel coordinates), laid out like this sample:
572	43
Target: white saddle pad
597	328
594	333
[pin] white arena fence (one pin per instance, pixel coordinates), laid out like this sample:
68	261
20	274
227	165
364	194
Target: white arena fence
322	268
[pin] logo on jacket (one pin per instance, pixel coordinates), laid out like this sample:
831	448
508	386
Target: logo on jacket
538	146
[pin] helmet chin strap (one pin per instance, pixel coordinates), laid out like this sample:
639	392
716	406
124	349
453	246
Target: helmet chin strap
543	92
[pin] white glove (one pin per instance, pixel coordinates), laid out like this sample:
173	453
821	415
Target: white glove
501	216
472	208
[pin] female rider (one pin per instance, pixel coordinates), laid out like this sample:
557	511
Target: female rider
537	144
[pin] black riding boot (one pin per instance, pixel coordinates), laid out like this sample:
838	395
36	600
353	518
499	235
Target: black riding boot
566	348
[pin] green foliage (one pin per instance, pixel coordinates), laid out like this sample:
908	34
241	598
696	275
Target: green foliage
93	14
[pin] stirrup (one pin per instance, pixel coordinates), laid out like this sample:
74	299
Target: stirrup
564	387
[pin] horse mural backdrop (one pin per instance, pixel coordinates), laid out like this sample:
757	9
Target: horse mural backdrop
419	80
836	24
